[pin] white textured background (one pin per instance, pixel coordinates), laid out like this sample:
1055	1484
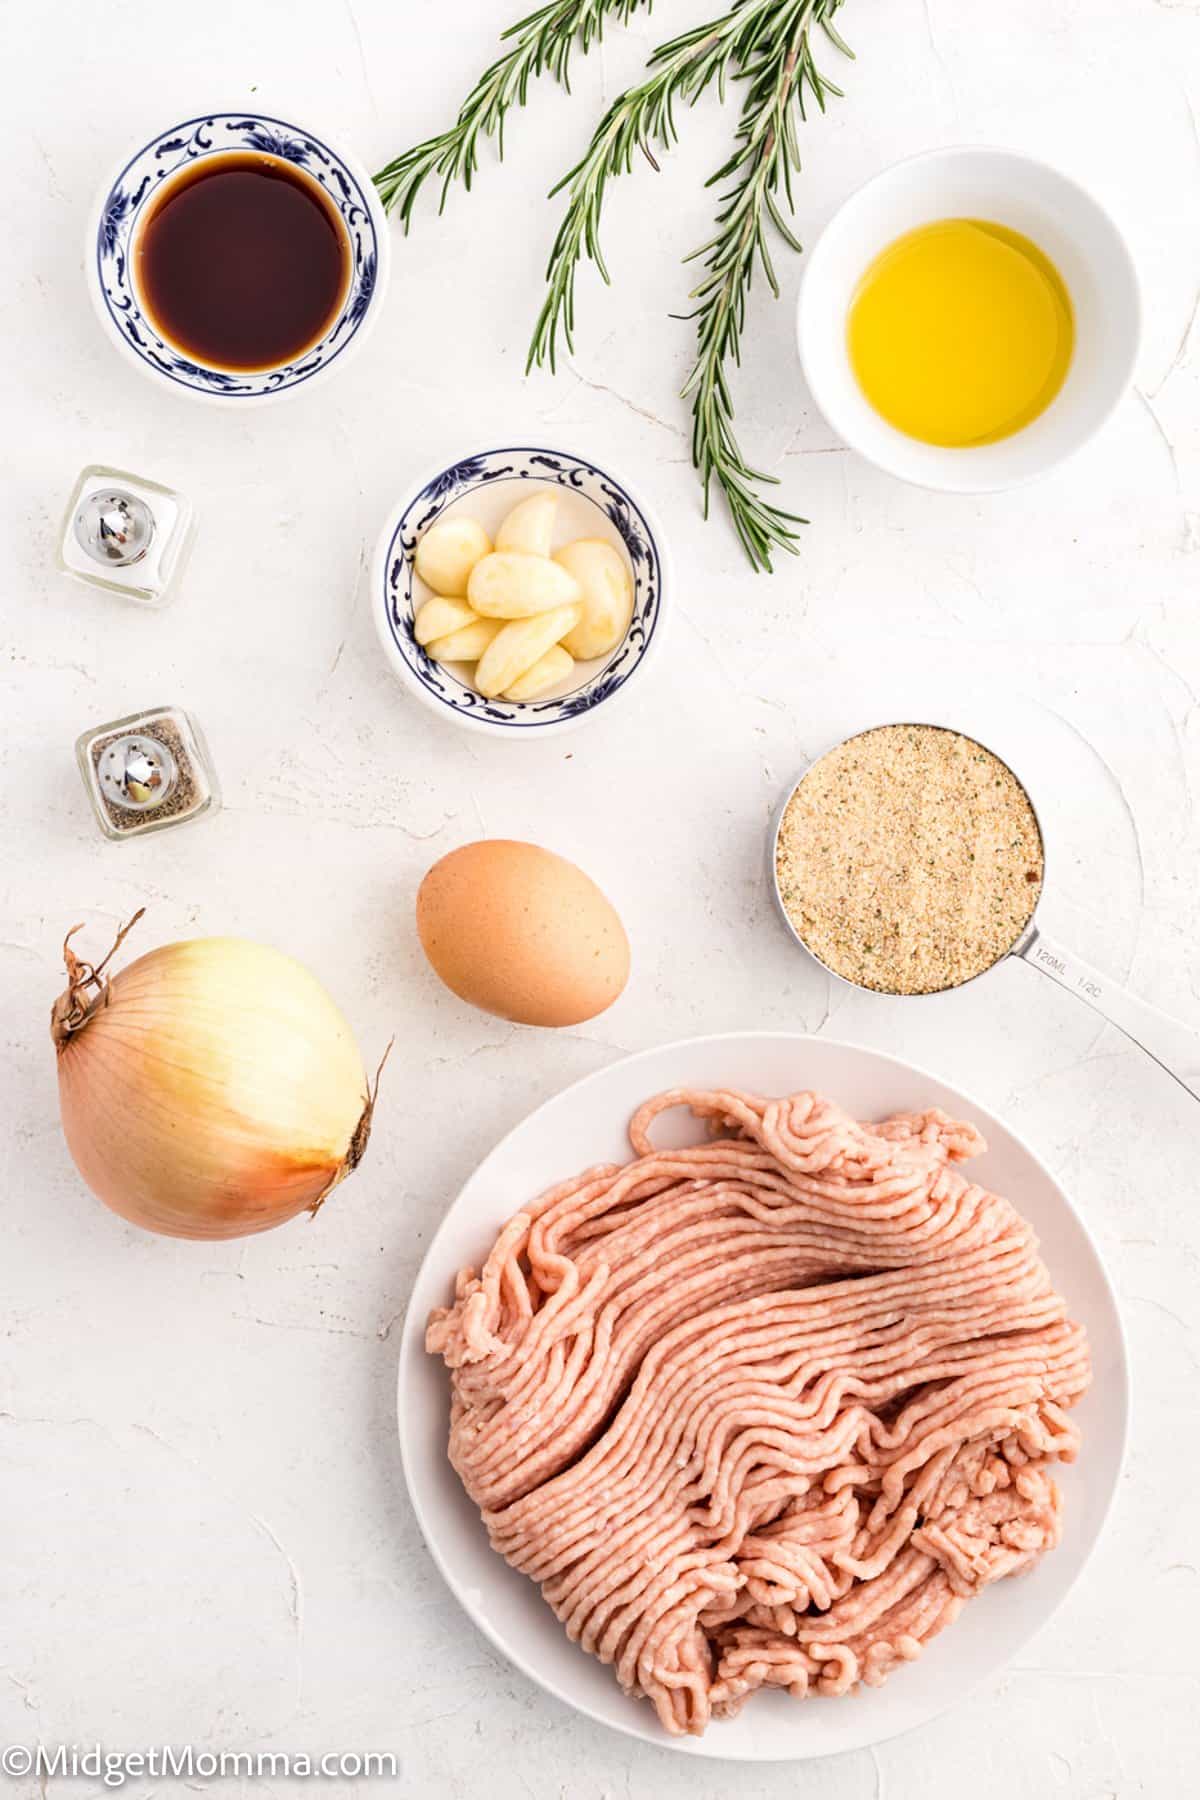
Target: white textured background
203	1530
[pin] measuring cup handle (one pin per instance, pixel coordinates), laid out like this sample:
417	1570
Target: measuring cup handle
1172	1045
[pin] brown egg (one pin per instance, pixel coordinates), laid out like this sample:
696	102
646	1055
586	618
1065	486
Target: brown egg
522	933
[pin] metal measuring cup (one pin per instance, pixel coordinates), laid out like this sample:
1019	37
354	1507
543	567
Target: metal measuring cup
1174	1046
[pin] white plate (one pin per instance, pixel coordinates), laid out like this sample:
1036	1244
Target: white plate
586	1124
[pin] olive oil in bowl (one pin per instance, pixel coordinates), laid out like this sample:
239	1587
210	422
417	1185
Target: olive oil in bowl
961	332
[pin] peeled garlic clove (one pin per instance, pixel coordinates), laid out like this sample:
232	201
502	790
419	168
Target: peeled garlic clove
510	585
467	645
439	617
529	527
518	645
606	586
448	552
544	674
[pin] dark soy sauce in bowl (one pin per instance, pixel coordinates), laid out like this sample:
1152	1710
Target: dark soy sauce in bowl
242	262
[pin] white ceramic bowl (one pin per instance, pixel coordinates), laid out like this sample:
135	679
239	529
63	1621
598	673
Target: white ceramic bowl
485	485
121	206
1063	220
587	1124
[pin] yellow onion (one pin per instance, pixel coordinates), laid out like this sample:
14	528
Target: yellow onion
209	1090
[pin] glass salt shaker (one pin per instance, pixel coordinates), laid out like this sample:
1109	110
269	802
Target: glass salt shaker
147	772
127	534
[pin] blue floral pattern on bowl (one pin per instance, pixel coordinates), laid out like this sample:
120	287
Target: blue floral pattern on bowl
141	179
397	569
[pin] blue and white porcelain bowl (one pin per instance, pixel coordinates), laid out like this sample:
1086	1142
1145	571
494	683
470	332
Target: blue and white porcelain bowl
121	208
486	486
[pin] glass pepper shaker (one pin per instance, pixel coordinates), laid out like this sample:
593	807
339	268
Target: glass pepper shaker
126	534
147	772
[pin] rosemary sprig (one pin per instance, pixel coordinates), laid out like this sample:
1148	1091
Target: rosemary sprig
778	70
766	42
544	40
679	70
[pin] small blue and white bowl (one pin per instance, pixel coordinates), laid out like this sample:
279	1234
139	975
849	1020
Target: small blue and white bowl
121	208
486	486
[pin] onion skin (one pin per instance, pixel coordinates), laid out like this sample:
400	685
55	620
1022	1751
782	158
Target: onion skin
211	1090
